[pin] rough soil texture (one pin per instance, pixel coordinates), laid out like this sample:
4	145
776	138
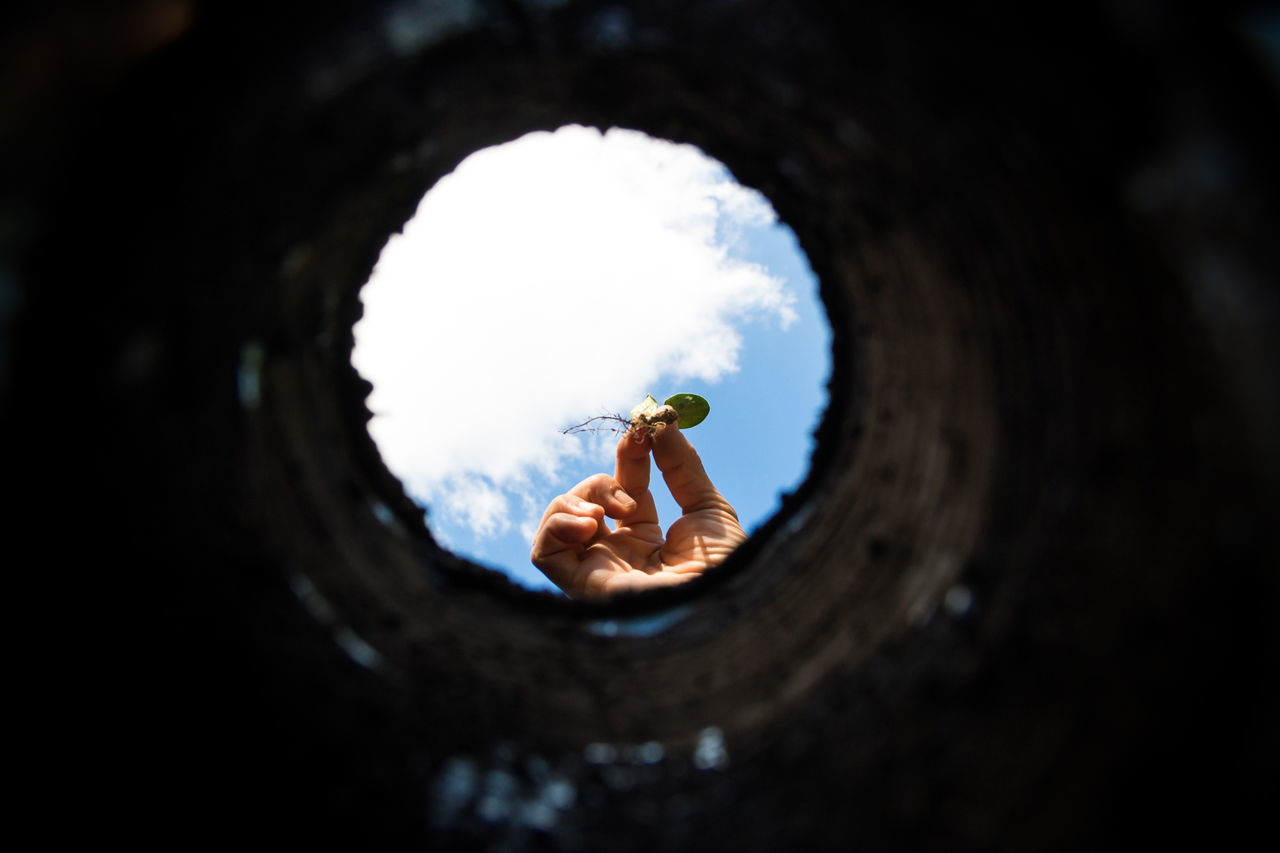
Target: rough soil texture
1026	599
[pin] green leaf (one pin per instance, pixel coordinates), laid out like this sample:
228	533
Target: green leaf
691	408
647	406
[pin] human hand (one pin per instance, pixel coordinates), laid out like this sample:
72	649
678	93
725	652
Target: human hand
577	550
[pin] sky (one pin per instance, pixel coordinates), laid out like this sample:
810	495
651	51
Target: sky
565	275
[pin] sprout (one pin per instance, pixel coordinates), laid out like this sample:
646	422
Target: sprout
647	417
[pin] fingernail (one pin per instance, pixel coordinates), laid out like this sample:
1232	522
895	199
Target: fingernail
623	498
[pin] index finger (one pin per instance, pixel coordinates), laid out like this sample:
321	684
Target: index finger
682	468
632	471
602	490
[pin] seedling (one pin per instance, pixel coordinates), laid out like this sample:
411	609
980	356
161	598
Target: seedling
647	417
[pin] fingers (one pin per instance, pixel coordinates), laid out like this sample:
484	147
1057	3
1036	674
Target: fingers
682	469
599	489
572	521
632	469
632	473
567	526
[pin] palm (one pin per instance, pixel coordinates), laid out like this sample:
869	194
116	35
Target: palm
636	556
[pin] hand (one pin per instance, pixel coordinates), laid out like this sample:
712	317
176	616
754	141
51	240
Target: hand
575	548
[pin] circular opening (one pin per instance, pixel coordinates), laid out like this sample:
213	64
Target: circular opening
565	276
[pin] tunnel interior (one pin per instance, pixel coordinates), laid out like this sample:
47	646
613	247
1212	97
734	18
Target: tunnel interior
1024	598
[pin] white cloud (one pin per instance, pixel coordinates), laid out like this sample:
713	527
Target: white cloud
542	282
472	501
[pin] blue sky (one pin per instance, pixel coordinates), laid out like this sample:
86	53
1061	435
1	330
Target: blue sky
563	276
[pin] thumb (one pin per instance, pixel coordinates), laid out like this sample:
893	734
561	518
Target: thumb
682	469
